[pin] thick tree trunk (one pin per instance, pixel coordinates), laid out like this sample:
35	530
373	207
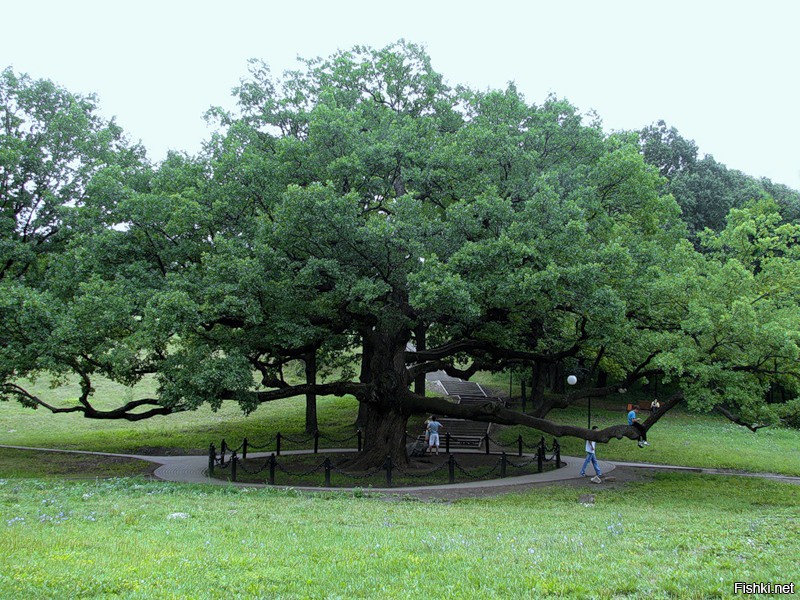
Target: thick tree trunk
311	397
557	377
382	410
365	376
384	436
537	400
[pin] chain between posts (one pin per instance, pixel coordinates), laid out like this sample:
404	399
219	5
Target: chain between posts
281	438
235	463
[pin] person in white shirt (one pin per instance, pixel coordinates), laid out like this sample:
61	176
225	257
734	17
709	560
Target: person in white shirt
590	457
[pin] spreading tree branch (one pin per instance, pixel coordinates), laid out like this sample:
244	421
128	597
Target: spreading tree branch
89	412
495	412
341	388
736	419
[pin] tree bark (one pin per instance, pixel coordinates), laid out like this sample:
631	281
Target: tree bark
311	396
384	436
537	399
383	410
365	376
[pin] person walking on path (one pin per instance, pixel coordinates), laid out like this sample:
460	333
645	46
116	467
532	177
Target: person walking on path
433	433
634	421
591	457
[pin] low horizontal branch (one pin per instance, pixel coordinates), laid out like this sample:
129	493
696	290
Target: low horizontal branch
495	412
123	412
737	419
342	388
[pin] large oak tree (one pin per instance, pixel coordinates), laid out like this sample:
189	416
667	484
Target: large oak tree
360	210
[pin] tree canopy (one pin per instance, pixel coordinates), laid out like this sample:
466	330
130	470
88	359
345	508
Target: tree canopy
362	216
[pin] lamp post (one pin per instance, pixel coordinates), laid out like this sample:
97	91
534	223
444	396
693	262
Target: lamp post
572	380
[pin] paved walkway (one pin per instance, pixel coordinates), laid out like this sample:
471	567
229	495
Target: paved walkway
192	469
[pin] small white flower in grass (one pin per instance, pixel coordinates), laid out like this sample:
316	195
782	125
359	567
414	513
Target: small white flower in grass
178	515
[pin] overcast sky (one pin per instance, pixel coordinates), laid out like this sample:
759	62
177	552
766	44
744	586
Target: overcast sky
723	72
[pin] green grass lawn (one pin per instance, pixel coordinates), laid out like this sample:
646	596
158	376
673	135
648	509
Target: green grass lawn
678	536
24	463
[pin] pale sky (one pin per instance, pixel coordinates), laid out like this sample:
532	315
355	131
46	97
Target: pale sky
723	72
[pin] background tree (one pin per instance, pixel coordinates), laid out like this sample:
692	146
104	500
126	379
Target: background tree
52	143
704	188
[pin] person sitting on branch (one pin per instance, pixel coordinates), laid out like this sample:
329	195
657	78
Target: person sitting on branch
634	422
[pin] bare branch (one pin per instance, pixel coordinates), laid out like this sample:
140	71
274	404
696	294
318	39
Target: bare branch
480	348
88	411
736	419
341	388
441	365
494	412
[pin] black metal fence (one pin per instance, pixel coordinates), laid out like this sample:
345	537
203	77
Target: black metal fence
276	445
228	458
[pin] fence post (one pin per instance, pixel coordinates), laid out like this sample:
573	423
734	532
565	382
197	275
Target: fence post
358	434
212	458
557	446
388	465
244	449
327	472
447	442
519	445
486	439
272	469
234	461
451	468
540	455
278	443
316	442
503	462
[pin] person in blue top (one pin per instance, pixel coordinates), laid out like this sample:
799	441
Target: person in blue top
433	433
634	421
590	457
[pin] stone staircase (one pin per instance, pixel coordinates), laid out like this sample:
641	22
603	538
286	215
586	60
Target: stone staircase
463	432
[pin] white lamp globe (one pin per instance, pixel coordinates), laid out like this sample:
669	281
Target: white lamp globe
572	380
